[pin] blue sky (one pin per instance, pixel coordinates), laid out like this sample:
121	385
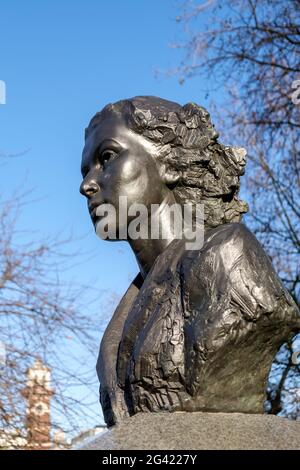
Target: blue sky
62	61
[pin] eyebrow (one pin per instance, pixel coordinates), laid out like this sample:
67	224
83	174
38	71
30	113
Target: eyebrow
110	142
106	142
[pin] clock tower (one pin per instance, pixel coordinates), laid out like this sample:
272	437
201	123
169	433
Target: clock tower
38	393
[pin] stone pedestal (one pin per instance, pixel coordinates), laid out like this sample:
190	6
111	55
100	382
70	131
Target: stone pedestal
200	431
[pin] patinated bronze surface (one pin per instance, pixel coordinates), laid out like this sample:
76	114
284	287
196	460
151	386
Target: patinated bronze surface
197	329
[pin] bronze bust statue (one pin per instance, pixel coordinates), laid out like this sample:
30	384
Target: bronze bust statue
197	330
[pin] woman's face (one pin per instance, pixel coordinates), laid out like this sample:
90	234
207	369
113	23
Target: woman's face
118	162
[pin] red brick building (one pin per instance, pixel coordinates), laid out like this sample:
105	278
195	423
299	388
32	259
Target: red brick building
38	394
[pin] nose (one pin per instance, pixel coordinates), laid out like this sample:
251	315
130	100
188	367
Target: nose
89	188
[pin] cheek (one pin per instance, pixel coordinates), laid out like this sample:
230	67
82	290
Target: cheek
128	177
136	178
134	182
131	171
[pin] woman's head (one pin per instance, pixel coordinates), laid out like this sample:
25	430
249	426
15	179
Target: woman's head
153	146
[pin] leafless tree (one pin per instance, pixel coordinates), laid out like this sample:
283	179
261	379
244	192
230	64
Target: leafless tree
248	53
42	318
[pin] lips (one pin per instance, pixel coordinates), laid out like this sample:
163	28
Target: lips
93	206
93	213
93	209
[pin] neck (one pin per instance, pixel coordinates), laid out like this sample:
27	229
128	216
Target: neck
146	251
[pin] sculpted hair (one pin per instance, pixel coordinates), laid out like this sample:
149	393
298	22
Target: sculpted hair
196	166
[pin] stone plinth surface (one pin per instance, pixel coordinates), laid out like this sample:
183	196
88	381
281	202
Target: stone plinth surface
199	431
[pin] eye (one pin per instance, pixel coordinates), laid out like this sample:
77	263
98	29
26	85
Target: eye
107	155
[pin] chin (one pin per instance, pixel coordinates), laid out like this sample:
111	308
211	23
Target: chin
107	231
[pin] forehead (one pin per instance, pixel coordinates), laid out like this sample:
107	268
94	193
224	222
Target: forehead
110	127
113	127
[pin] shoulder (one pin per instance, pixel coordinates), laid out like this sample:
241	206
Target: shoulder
230	235
226	244
233	242
231	258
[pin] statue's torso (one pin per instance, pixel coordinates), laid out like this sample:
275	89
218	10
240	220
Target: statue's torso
196	318
151	354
